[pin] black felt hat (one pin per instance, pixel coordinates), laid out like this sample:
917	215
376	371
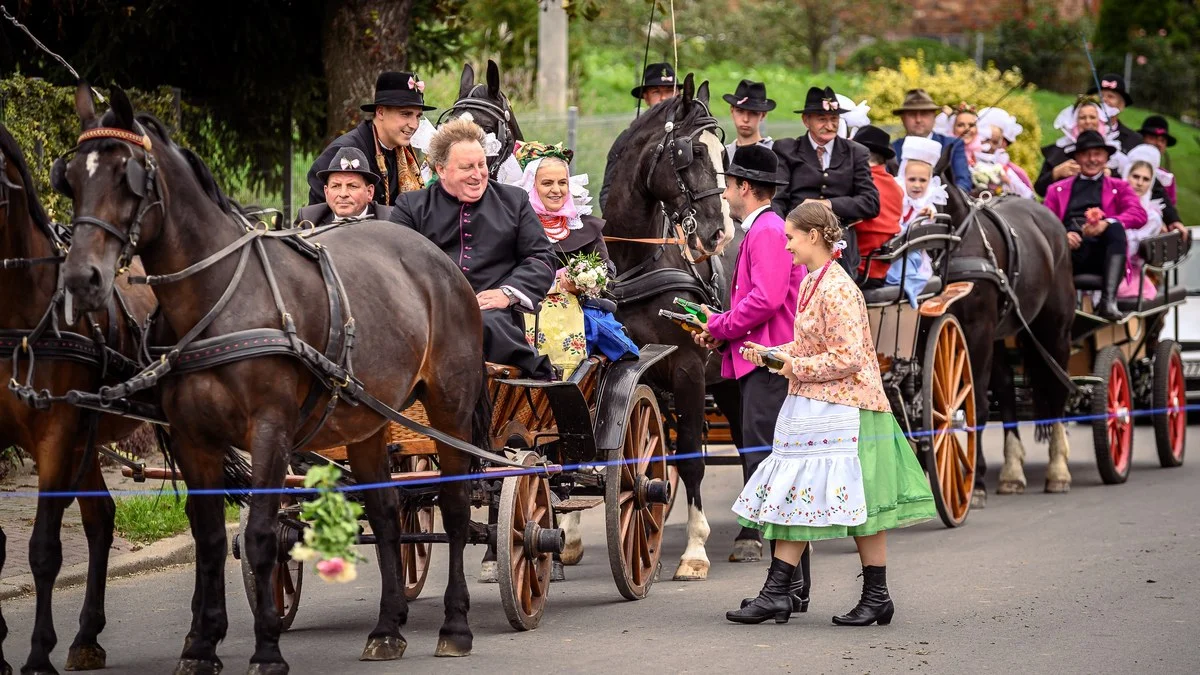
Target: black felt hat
755	163
1156	125
750	96
876	140
1113	82
398	89
1089	140
349	159
656	75
822	101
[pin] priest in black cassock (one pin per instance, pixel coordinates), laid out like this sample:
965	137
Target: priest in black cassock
492	232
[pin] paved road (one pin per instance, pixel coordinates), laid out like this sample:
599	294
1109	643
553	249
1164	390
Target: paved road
1102	580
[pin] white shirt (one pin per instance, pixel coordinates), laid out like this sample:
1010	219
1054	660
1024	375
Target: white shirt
753	214
339	219
828	151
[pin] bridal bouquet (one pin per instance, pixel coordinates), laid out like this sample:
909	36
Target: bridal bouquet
589	273
333	528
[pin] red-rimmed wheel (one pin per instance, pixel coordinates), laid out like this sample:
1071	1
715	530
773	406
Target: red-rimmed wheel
948	416
1112	411
1170	404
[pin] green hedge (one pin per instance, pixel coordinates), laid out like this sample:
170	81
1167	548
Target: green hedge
885	54
42	118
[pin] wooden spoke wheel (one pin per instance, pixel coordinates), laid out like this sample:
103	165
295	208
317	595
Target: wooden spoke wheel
635	504
1170	404
415	558
1112	416
523	564
948	412
287	579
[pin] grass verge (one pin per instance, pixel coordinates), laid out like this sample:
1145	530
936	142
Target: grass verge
145	519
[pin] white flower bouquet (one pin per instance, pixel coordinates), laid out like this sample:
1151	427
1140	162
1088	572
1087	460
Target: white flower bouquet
589	273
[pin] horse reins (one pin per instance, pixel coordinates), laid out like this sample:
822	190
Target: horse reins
504	132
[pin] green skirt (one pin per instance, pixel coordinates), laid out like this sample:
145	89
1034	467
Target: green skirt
894	485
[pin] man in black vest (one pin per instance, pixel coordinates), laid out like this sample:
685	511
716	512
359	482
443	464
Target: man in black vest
658	84
385	139
349	190
1112	92
821	166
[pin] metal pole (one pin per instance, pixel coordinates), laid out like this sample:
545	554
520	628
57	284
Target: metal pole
552	57
572	127
1129	71
979	49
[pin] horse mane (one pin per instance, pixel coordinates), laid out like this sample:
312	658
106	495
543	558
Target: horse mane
208	183
10	148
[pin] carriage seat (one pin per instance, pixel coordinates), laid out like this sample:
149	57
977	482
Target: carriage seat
890	295
1172	296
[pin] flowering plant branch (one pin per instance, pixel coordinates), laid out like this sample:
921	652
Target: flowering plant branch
333	528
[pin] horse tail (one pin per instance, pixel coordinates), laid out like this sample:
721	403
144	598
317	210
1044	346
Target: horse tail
235	468
481	418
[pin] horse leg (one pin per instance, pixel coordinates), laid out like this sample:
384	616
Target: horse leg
5	669
1012	474
1058	476
488	566
573	551
1051	328
689	408
98	515
369	461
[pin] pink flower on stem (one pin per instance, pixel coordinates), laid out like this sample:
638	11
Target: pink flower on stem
337	569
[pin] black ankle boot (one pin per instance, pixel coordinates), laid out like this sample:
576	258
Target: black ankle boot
875	606
773	601
798	589
1114	273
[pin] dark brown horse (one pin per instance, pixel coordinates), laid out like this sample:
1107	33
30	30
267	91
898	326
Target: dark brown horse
56	437
670	173
402	348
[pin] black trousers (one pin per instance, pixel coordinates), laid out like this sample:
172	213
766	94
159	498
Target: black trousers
1090	256
763	394
504	343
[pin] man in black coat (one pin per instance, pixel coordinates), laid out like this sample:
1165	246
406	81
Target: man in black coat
493	234
349	190
385	139
1114	95
821	166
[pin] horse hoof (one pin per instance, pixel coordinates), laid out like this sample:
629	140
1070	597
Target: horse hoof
86	657
198	667
1010	487
487	572
557	573
979	498
267	669
746	550
447	647
1058	486
573	553
692	570
387	648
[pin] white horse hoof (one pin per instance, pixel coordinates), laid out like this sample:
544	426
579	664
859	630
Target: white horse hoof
692	570
746	550
1010	487
979	498
573	553
1058	486
487	572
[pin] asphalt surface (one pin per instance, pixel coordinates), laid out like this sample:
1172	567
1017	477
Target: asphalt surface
1101	580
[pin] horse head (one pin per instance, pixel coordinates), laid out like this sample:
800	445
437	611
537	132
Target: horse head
488	107
21	212
674	166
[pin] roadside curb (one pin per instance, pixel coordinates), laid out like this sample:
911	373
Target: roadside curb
177	550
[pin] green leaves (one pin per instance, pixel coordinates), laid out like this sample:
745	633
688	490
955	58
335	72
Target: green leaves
332	519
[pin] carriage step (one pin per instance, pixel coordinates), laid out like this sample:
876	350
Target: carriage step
577	504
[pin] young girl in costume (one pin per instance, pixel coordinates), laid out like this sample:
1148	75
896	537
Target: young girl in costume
923	193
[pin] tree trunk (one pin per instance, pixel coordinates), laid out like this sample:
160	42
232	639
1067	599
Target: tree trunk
362	38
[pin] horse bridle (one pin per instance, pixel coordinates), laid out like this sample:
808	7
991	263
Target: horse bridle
142	179
504	132
50	230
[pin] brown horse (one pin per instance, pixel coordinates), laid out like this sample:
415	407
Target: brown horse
132	180
55	437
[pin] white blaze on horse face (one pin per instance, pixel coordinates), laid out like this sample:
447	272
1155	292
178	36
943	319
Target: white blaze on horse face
466	116
92	163
710	141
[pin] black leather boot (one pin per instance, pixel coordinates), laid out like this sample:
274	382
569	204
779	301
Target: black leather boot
801	583
773	601
1114	274
875	605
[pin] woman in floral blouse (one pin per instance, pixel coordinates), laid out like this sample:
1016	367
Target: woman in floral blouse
840	465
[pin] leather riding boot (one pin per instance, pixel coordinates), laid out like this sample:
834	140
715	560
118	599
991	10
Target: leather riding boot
801	583
1114	273
773	601
875	606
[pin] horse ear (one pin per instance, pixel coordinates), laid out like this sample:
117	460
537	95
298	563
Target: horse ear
122	108
493	80
689	89
467	81
84	105
702	92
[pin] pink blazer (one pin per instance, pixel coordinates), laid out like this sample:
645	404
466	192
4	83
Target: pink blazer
764	295
1118	200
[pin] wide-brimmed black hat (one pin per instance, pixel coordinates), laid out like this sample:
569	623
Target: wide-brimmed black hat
398	89
349	159
821	101
1089	140
750	96
876	140
755	163
1156	125
656	75
1113	82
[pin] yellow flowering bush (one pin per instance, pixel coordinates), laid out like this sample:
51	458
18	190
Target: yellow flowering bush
953	83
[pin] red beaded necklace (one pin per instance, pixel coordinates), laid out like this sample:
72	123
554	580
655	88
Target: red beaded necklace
812	290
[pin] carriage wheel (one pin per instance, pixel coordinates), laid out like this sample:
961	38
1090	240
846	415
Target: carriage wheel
523	554
414	558
948	392
1112	411
287	579
637	491
1170	403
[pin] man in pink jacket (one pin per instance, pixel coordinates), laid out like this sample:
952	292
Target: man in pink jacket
762	310
1097	244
